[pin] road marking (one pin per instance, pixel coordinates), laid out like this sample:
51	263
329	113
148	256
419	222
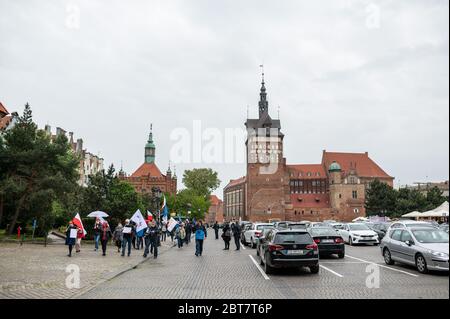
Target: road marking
333	272
342	262
243	247
259	268
383	266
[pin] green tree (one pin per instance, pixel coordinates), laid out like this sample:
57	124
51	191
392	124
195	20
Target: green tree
107	193
201	181
186	201
36	170
380	198
434	198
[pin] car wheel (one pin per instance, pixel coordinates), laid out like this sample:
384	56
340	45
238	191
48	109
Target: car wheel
341	255
252	244
421	264
350	241
387	257
267	269
314	269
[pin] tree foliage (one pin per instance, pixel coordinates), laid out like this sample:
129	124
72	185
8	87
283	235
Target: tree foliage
35	171
383	199
202	181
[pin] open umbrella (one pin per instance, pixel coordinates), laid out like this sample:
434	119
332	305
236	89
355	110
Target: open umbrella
98	214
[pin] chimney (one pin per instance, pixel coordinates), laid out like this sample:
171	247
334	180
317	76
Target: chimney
367	153
79	148
48	129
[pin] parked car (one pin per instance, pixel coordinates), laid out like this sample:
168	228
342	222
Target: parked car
243	230
328	240
410	223
288	249
318	224
380	228
299	225
281	225
262	238
444	227
337	226
423	247
358	233
254	232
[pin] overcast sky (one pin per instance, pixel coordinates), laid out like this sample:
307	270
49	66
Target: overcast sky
348	75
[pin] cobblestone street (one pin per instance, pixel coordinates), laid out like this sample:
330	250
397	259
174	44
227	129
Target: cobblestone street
235	275
35	271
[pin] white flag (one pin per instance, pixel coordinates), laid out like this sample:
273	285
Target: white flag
139	220
171	225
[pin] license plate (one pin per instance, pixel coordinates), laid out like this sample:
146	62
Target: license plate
295	252
327	241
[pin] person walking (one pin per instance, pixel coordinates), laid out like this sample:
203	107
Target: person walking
80	235
216	229
200	236
118	236
70	241
152	234
181	235
127	232
97	232
188	229
226	236
236	229
105	236
164	231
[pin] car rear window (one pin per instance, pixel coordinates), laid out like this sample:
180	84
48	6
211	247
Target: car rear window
293	237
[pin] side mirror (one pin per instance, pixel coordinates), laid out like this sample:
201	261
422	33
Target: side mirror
409	242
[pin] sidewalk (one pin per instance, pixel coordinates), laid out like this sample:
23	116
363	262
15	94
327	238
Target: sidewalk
38	272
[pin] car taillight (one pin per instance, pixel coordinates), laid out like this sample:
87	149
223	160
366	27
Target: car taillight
275	248
317	241
258	234
313	246
338	240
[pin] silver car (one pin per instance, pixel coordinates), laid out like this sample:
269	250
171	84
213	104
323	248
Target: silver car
423	247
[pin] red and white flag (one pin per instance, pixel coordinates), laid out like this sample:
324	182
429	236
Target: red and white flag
77	222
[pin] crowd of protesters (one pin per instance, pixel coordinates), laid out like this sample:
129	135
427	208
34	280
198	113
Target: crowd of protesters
125	237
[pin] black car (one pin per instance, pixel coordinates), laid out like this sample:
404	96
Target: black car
379	228
288	249
328	240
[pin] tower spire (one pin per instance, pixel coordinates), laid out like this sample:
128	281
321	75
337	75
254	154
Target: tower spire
150	148
263	103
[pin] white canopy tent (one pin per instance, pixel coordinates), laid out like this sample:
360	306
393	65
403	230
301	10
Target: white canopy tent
414	214
441	211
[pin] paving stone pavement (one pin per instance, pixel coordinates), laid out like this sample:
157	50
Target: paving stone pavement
38	272
233	275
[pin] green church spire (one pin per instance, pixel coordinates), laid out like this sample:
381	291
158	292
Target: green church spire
150	147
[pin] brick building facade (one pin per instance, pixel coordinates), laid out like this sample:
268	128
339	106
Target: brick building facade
148	175
274	190
215	212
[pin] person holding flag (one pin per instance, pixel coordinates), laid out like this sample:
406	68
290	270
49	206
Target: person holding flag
81	232
141	225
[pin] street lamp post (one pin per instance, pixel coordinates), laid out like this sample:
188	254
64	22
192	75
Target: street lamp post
156	200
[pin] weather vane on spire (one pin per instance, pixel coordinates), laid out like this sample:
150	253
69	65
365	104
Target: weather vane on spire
262	70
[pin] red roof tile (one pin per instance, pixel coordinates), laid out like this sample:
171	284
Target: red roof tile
308	171
3	109
148	169
235	182
305	201
361	162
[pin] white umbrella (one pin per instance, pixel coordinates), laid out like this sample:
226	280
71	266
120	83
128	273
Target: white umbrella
98	214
